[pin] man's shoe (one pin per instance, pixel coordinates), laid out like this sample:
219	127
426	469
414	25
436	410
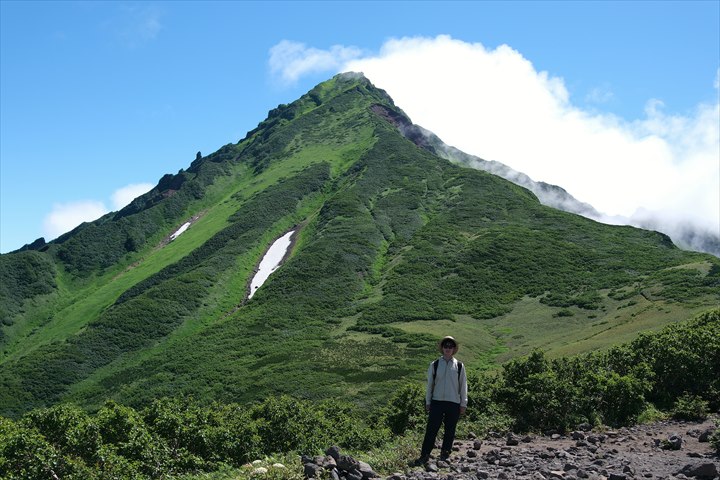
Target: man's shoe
444	456
422	460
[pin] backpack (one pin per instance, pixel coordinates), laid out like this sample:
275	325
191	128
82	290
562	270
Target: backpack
435	367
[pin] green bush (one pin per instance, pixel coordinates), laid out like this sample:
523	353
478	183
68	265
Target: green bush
406	409
690	407
715	438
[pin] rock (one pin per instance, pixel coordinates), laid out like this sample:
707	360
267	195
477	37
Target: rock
347	463
585	427
354	475
312	470
706	434
674	442
512	440
577	435
477	445
334	452
617	476
260	471
367	471
702	469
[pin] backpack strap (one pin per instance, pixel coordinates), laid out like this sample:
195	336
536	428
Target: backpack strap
460	367
435	367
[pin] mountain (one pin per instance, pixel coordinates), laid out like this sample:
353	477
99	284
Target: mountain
686	235
395	246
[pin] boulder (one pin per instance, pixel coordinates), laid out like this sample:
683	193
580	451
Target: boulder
700	469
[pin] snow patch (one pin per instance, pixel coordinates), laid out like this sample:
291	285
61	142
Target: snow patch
180	230
271	261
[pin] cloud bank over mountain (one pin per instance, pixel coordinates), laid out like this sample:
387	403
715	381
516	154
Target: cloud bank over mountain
660	170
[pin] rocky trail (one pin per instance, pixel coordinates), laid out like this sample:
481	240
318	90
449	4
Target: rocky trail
662	450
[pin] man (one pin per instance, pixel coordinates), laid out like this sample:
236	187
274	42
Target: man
445	399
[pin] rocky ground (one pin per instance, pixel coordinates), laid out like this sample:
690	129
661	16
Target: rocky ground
661	450
665	450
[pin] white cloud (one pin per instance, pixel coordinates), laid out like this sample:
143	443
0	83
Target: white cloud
66	216
494	104
125	195
291	60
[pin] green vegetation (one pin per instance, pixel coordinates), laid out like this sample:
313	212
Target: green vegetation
25	275
172	437
396	247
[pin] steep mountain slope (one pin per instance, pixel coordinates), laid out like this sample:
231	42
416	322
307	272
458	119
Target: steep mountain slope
686	236
396	246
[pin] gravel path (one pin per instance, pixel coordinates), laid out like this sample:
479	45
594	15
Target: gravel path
661	450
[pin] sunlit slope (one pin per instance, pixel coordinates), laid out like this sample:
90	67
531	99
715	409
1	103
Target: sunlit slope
397	256
396	247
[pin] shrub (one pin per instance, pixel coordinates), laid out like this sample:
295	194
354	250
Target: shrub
536	396
25	454
406	409
69	429
690	407
715	438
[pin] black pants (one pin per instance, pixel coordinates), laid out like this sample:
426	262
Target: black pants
441	412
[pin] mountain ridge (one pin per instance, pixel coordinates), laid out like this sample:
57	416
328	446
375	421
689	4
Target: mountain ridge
399	245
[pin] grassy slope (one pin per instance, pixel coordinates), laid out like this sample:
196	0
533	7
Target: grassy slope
308	349
398	248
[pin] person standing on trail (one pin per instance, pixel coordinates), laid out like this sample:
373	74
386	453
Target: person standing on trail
445	399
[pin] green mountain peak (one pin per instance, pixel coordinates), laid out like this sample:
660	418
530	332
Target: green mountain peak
395	247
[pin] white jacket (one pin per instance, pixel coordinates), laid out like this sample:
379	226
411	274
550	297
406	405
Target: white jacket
446	383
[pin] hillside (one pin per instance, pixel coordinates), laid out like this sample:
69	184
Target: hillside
396	246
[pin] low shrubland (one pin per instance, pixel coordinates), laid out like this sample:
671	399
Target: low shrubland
173	437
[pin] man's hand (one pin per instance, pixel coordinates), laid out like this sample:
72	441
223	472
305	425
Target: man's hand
462	410
427	408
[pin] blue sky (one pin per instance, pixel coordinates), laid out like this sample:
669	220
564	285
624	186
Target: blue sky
98	100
